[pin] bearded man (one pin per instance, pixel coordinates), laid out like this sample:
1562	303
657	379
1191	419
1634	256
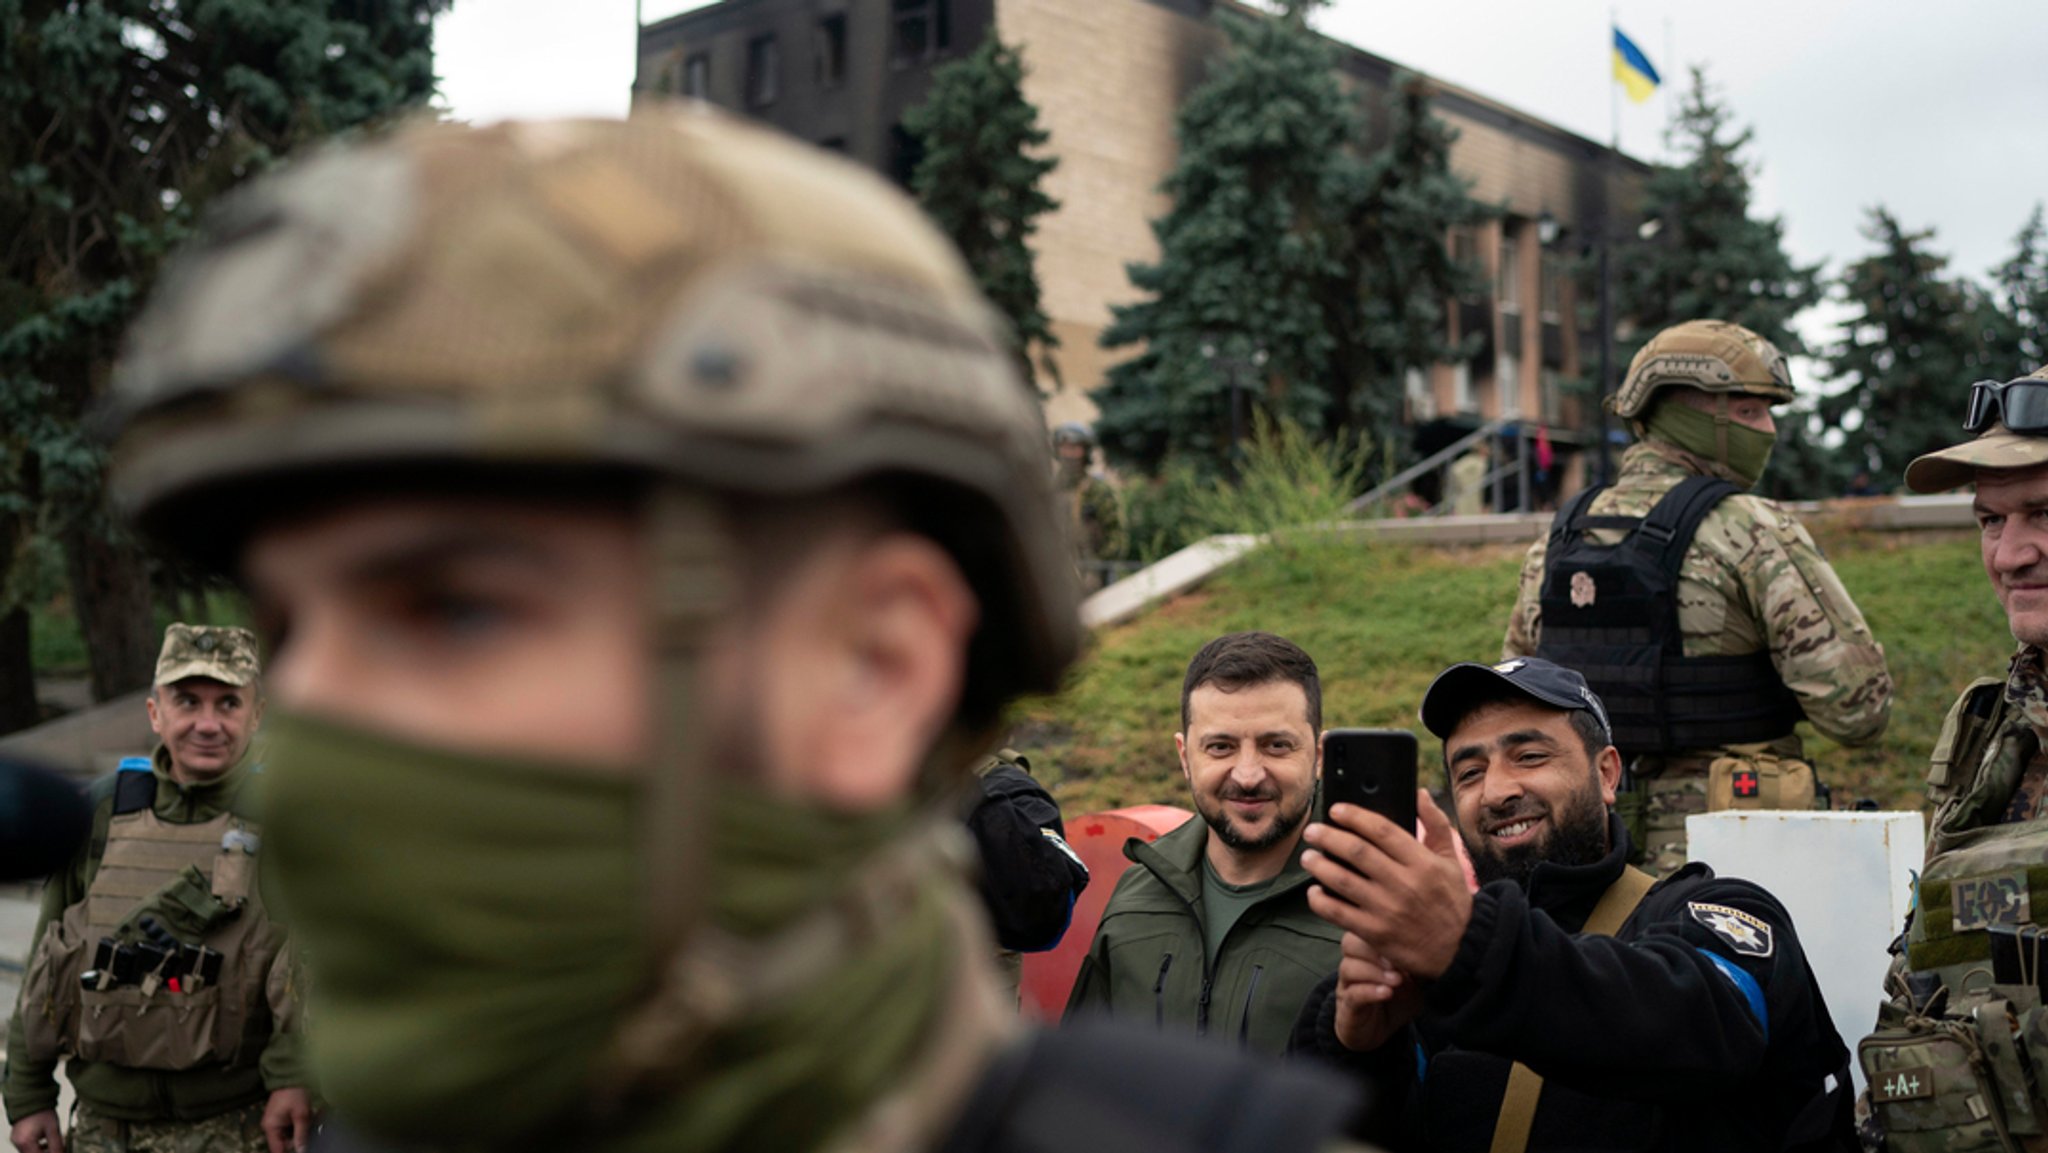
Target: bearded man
1210	932
1569	1003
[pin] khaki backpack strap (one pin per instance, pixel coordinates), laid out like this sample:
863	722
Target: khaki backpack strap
1525	1085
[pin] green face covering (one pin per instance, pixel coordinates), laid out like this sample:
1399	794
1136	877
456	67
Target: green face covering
471	928
1748	450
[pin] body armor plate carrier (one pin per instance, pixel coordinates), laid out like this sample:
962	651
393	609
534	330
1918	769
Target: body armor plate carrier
1611	612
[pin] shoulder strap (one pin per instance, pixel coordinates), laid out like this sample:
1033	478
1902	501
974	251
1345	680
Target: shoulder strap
1668	530
133	791
1570	518
1525	1085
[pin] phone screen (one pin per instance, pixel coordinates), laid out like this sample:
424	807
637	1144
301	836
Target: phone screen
1373	769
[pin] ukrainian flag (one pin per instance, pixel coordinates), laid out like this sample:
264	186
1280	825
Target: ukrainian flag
1633	69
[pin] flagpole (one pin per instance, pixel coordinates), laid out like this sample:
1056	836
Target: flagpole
1606	473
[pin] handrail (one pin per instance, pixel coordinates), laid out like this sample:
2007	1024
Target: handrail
1435	460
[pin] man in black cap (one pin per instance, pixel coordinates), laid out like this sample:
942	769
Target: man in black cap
1569	1003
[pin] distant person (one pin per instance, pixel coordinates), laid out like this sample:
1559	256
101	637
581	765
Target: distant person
1209	932
1704	616
1030	878
1094	515
1570	1003
1468	481
1987	785
154	969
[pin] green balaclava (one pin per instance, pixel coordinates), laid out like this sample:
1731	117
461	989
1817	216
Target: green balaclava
473	929
1743	451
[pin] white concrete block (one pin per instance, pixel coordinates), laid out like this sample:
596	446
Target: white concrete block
1846	879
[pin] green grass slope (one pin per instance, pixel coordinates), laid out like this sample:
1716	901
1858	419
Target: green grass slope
1381	621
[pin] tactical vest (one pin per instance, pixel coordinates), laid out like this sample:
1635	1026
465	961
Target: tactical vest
1611	613
1955	1062
184	991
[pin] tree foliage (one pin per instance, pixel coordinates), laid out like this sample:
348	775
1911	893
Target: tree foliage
1915	340
1710	255
2020	287
979	179
1298	263
118	120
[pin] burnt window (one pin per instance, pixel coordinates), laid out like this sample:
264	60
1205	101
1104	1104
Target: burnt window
923	29
697	76
764	70
1509	279
1554	273
831	43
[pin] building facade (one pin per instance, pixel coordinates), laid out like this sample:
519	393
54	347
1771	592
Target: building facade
1108	77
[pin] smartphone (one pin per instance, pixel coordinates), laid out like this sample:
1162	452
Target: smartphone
1373	769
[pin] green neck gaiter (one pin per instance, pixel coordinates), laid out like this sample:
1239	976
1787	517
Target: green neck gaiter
1748	450
472	927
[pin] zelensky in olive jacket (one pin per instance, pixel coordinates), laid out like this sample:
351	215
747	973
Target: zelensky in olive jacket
1210	932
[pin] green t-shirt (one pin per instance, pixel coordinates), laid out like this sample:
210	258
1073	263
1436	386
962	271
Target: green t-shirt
1223	904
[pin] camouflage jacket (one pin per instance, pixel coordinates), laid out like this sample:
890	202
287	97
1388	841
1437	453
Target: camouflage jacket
1753	581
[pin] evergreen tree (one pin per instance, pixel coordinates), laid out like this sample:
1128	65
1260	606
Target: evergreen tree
2021	288
980	180
118	120
1709	257
1916	341
1246	253
1397	275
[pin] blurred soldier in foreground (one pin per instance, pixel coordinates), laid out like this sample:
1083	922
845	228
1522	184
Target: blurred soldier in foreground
1705	617
1957	1057
1571	1003
1094	519
649	527
1209	931
153	955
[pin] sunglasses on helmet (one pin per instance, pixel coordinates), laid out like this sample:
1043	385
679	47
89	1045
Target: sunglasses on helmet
2021	404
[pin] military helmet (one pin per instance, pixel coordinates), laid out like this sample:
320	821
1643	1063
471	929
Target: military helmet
1073	432
1710	355
677	295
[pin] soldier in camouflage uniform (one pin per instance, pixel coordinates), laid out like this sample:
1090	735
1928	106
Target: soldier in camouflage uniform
191	1063
651	528
1957	1059
1752	581
1094	517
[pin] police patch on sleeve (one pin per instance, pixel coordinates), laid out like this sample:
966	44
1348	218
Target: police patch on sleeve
1746	933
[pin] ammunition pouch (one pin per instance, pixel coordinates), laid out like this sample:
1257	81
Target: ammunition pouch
1759	779
1958	1078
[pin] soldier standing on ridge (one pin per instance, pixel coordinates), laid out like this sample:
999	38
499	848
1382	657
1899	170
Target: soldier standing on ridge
649	528
1095	521
155	967
1704	616
1947	1066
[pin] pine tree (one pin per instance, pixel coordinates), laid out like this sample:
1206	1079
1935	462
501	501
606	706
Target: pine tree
119	119
1709	257
1397	274
1246	252
2021	288
980	179
1915	343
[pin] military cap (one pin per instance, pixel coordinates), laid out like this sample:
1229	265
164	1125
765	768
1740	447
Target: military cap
1995	447
1465	686
1710	355
217	652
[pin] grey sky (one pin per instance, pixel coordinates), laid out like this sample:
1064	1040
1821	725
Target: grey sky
1939	110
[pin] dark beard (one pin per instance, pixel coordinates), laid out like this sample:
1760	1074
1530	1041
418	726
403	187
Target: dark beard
1577	837
1285	825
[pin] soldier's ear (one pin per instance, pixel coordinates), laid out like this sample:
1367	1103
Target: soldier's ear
1608	767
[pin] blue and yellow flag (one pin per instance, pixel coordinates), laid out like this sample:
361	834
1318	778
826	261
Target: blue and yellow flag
1633	69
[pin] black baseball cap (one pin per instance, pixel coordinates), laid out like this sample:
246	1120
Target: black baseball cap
1463	687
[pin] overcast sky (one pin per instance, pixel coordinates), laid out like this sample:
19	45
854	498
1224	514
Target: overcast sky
1938	110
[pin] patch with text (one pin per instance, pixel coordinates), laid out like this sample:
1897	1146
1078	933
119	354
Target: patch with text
1999	899
1747	933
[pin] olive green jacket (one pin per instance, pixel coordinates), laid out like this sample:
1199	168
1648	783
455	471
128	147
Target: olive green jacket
1148	962
144	1094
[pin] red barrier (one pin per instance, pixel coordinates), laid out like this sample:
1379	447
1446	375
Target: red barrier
1098	838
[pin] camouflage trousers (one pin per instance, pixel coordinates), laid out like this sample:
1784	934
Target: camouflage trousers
1667	800
235	1131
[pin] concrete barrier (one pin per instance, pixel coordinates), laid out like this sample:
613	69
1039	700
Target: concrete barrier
1847	881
